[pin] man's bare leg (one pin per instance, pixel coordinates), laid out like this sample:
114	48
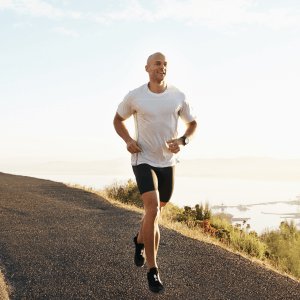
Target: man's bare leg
149	226
140	237
151	239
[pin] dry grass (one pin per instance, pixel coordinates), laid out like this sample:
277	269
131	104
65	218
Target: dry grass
130	207
4	288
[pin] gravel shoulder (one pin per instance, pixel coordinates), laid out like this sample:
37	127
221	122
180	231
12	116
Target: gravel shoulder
58	242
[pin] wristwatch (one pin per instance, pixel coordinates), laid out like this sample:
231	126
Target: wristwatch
185	140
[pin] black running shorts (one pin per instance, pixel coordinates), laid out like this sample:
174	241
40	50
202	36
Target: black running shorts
150	178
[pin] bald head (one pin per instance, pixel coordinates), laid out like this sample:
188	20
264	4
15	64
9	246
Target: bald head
155	56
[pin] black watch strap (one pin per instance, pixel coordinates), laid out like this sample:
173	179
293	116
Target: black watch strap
185	140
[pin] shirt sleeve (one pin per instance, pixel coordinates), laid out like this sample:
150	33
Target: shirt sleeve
187	113
125	109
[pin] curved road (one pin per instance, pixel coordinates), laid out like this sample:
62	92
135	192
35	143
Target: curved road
58	242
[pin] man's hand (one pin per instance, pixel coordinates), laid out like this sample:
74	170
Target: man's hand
173	145
133	147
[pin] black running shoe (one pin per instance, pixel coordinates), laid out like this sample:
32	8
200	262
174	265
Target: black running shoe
139	258
155	285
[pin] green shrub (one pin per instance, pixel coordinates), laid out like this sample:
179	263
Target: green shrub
237	238
171	211
223	226
283	247
192	216
248	243
127	193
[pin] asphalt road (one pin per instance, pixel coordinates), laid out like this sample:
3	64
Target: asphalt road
58	242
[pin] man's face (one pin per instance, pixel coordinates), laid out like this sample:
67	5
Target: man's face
157	68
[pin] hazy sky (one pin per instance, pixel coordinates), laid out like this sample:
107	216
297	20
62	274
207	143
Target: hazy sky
65	66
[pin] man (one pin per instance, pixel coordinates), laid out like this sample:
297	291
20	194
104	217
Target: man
156	108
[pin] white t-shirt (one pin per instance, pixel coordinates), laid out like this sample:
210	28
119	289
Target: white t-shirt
156	118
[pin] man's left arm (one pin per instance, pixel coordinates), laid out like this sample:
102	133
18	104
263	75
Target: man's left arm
190	130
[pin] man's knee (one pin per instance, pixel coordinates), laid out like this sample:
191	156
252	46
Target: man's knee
152	213
150	199
152	205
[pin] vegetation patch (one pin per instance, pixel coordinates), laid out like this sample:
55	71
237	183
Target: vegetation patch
127	193
280	248
283	247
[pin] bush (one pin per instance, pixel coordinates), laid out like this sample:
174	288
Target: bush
126	193
193	216
248	243
283	247
237	238
171	211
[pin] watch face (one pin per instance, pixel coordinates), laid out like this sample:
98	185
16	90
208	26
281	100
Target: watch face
185	140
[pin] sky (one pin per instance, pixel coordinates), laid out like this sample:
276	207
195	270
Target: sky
66	65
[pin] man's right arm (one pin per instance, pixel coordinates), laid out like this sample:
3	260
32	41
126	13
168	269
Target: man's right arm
122	131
